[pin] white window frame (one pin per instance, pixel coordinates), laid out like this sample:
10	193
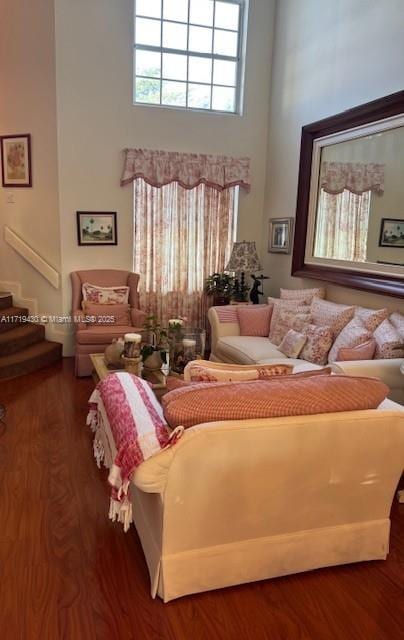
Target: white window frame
239	60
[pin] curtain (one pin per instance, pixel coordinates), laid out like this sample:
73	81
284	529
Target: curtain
180	236
342	226
356	177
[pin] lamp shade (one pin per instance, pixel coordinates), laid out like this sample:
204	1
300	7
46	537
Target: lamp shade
244	257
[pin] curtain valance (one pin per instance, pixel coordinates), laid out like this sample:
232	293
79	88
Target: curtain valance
159	168
356	177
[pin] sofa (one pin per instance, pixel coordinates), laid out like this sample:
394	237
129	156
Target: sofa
227	345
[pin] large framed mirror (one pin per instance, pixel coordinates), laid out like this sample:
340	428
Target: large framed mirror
350	202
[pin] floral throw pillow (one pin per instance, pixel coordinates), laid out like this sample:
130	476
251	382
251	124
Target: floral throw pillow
389	343
353	334
105	295
397	320
283	316
371	318
318	344
304	295
330	314
292	343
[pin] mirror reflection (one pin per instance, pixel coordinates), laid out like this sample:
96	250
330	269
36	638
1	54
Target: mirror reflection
360	200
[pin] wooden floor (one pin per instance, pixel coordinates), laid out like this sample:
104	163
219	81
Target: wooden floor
66	572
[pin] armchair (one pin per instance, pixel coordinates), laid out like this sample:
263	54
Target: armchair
95	338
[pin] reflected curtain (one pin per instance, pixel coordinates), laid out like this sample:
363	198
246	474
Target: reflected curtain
180	237
342	226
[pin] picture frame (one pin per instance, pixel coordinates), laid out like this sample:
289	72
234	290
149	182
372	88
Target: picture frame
96	228
280	235
392	233
16	170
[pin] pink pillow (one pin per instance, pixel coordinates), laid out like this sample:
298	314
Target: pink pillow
352	334
364	351
254	320
275	397
107	314
318	344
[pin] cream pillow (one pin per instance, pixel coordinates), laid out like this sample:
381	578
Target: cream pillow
293	343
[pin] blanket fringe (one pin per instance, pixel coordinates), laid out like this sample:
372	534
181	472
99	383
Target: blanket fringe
121	512
99	451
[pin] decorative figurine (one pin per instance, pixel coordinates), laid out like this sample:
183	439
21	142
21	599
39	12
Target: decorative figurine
255	290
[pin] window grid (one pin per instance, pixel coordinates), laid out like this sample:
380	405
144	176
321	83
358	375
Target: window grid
190	53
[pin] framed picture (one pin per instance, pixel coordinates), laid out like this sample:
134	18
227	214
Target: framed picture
392	233
96	228
16	160
280	235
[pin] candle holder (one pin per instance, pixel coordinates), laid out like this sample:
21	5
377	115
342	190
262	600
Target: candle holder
186	345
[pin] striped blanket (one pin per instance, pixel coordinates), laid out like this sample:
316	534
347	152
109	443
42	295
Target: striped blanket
125	405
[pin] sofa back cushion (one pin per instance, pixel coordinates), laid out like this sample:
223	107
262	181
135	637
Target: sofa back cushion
277	397
254	320
330	314
304	295
107	314
389	343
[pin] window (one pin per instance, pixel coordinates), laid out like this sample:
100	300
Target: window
188	53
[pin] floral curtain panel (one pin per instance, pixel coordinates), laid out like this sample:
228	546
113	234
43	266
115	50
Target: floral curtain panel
181	236
342	226
159	168
356	177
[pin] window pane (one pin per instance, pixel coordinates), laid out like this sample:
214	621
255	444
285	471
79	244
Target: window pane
147	91
148	32
200	69
227	15
174	66
176	10
200	39
202	12
174	93
150	8
225	43
147	63
174	35
199	96
225	72
223	99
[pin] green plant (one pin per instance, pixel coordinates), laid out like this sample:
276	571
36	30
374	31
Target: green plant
219	284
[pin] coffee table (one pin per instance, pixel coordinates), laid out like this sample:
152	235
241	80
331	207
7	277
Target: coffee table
157	379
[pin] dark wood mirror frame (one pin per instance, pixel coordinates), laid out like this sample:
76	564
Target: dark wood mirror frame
380	109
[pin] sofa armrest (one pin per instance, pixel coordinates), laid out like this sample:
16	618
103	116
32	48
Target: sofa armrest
138	317
79	320
219	329
388	370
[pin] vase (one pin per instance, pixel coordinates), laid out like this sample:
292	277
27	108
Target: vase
153	362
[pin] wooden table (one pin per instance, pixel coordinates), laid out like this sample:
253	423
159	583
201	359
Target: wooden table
157	379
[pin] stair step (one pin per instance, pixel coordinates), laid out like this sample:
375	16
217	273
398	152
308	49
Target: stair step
11	317
20	337
6	299
30	359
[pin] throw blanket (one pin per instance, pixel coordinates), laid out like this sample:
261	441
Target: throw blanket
127	406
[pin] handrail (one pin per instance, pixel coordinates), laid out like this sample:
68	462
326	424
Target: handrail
32	257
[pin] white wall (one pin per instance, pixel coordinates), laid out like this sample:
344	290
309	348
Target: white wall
97	120
28	105
328	56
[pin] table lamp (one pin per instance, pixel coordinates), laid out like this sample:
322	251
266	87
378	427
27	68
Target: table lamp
244	257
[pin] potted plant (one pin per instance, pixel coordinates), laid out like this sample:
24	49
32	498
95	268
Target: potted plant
154	350
220	286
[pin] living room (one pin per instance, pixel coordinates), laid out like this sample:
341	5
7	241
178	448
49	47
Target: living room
67	81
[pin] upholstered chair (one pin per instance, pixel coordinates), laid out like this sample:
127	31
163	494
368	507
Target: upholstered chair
95	338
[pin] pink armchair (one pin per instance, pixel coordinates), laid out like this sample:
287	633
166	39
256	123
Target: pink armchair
94	339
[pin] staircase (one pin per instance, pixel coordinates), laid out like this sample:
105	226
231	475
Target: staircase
23	347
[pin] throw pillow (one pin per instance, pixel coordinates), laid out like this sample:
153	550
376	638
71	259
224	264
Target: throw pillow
305	295
318	344
107	314
206	371
371	318
272	398
254	320
283	315
292	343
353	334
364	351
397	320
389	343
227	313
105	295
330	314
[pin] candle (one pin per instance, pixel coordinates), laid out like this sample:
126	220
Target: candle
132	337
132	345
187	343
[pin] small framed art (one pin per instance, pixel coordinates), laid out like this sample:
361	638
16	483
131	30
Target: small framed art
96	228
392	233
16	160
280	235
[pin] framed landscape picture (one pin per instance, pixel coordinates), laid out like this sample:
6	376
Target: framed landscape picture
280	235
16	160
392	233
96	228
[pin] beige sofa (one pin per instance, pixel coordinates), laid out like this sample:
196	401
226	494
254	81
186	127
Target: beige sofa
235	502
228	346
